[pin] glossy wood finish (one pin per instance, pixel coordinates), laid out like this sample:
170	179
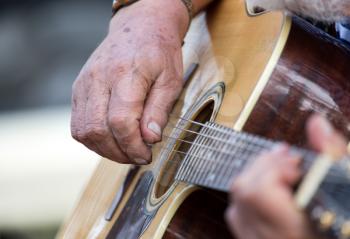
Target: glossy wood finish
204	209
230	47
311	76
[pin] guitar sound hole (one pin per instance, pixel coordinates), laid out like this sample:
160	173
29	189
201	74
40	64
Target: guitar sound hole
168	172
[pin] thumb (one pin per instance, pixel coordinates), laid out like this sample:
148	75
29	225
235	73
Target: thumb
160	101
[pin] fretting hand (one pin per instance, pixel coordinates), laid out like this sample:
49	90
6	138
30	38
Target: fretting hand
262	202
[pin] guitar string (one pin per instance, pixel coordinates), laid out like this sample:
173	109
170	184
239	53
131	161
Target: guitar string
244	154
217	139
234	132
201	146
240	135
214	138
208	136
230	164
232	167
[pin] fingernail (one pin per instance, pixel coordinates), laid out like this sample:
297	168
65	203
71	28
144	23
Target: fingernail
141	161
326	126
155	128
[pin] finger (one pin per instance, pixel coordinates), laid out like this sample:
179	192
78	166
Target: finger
160	101
124	114
96	127
78	116
265	165
324	138
280	165
231	220
284	165
290	171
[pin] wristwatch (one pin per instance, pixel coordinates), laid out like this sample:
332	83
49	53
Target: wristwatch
118	4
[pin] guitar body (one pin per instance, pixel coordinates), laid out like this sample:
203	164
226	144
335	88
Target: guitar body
264	75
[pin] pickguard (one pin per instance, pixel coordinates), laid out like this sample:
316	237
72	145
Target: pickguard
135	218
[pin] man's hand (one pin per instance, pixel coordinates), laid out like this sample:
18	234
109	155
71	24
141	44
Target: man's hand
124	93
262	202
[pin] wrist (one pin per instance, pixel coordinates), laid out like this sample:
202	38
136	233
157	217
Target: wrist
172	13
175	11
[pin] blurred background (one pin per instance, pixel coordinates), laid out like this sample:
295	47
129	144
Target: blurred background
43	45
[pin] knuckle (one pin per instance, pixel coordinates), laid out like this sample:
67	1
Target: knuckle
174	87
78	135
74	86
94	71
75	135
236	187
96	132
77	87
248	197
120	68
178	82
90	71
119	121
242	193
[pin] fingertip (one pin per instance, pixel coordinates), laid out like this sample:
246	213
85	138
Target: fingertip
291	160
151	132
140	155
291	176
321	123
312	119
229	214
294	160
319	130
324	138
338	146
141	161
155	130
280	148
290	171
277	153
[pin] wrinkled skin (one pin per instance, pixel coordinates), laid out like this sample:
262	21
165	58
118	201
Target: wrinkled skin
124	93
262	203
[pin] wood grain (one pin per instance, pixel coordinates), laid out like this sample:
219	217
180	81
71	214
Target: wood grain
312	76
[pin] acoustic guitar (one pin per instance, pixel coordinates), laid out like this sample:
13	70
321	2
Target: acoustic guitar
251	80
